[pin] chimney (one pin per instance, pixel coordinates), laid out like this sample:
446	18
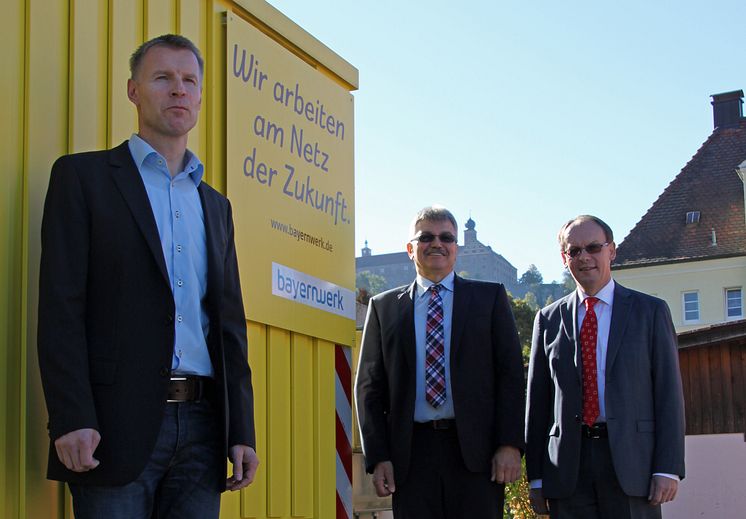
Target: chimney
727	108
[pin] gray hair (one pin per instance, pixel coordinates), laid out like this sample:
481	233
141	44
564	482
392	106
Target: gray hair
173	41
432	213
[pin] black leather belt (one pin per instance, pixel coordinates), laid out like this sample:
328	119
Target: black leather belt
438	425
190	388
595	431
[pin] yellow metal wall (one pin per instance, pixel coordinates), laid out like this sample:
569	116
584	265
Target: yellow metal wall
62	90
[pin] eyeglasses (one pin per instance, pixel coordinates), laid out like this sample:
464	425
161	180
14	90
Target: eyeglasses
428	237
593	248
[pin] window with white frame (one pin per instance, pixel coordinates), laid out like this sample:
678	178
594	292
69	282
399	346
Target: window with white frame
691	307
692	217
733	303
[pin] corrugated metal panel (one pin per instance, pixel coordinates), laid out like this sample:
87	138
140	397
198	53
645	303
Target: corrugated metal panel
12	265
46	113
301	420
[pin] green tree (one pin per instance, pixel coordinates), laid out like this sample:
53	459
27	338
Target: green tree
532	277
568	283
367	285
517	504
531	301
524	321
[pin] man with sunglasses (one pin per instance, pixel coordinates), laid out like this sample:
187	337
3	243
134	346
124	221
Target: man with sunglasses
605	414
440	388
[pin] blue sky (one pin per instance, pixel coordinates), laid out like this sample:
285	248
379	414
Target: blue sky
525	114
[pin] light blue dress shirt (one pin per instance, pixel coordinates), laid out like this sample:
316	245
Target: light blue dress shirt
423	411
181	226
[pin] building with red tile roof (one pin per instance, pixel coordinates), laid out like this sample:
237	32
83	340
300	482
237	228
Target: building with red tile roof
690	246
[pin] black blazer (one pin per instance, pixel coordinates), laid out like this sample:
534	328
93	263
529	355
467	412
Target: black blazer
486	376
644	399
106	315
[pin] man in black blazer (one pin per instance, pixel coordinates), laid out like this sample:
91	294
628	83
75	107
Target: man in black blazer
440	386
142	332
605	415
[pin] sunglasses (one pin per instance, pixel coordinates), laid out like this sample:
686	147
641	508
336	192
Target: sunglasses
593	248
427	237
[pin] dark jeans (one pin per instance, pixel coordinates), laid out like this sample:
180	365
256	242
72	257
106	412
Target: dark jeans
181	480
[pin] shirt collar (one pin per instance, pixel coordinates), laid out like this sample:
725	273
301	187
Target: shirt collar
423	283
141	150
606	294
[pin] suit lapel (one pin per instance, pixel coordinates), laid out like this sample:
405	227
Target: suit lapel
406	323
461	300
128	181
215	256
569	312
619	317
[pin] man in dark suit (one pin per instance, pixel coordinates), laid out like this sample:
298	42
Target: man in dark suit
142	333
440	386
605	414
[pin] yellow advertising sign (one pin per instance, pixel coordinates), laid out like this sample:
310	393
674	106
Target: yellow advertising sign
291	182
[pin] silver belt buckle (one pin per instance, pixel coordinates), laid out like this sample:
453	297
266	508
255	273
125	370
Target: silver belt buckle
175	379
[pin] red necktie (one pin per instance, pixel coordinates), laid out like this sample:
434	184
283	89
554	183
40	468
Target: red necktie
588	337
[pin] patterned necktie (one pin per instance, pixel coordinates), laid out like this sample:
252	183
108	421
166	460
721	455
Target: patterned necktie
435	356
588	336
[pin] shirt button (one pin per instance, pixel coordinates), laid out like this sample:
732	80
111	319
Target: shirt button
178	214
178	248
180	318
180	283
169	319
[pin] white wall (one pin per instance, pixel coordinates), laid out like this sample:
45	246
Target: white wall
715	483
708	277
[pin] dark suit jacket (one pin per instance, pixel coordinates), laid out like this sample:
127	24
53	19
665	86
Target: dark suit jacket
106	315
644	400
486	376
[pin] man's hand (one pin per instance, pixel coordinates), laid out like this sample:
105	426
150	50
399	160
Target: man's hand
538	503
506	464
662	490
383	479
245	462
75	449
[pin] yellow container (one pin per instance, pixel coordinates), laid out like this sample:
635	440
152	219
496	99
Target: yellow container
62	90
